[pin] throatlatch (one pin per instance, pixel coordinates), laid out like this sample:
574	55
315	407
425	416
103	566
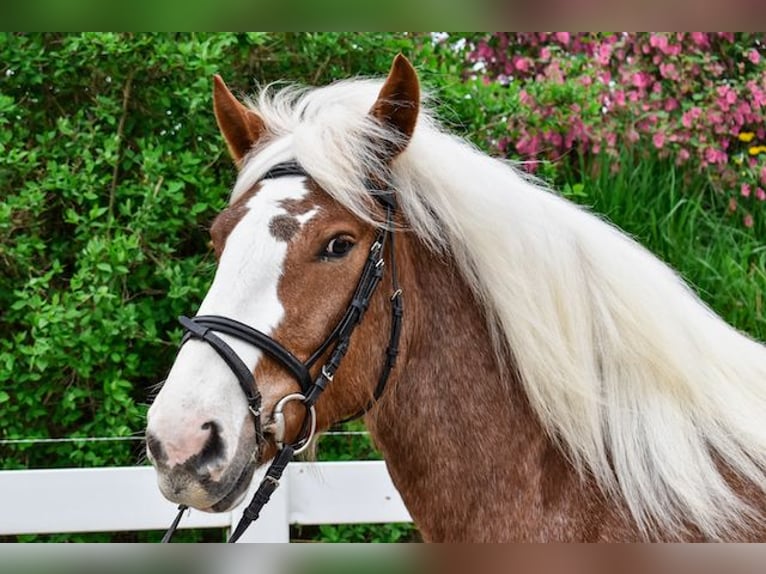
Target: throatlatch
205	327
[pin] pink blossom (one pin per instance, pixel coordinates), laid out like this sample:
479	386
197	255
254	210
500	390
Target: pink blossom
758	95
521	64
640	79
745	190
658	41
668	71
671	104
683	155
747	220
754	56
732	204
763	175
671	50
528	145
484	52
604	54
700	38
545	54
686	119
659	140
728	94
525	98
619	98
563	37
715	156
760	194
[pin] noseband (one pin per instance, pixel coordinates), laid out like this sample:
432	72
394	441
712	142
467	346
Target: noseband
335	346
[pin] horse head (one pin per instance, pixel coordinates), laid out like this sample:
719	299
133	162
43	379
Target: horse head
295	267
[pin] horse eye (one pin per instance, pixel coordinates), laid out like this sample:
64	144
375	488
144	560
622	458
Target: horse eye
338	247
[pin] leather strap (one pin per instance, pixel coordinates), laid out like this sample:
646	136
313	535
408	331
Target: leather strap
256	338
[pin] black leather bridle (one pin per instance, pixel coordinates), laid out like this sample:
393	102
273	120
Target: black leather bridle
335	346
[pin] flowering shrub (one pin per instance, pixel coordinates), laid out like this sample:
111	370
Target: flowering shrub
696	98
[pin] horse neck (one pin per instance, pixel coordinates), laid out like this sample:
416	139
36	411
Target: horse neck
461	443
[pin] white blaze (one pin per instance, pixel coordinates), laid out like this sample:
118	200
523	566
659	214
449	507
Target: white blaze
200	386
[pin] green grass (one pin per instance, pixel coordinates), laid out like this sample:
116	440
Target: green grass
683	220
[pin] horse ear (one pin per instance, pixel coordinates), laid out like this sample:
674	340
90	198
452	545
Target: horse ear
399	101
241	127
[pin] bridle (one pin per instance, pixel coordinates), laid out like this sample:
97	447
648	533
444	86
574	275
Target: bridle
205	327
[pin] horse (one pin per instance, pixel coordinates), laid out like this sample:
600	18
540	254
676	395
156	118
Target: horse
551	380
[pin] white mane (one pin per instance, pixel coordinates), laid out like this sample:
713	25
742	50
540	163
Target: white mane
645	387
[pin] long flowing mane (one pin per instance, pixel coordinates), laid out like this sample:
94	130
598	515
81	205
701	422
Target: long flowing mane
643	386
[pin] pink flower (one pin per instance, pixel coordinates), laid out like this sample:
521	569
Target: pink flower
528	145
713	155
619	98
668	71
521	64
641	79
563	37
658	41
604	54
760	194
683	155
754	56
745	190
671	50
659	140
763	175
525	98
748	220
732	205
699	38
671	104
545	53
758	95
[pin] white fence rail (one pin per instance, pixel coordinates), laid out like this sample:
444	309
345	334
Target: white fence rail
127	498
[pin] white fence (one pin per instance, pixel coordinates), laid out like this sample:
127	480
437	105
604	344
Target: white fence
127	498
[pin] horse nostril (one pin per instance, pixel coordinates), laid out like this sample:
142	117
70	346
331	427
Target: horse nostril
155	448
214	445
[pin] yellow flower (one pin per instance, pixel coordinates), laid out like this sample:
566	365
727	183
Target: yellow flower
755	150
746	137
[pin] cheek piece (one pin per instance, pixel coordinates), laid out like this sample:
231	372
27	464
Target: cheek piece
206	327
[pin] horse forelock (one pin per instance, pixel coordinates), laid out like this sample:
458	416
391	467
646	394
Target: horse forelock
646	389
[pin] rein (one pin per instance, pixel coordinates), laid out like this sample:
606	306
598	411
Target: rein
205	327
